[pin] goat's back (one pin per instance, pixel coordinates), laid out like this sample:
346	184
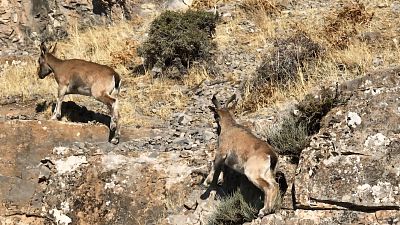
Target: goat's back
86	72
240	141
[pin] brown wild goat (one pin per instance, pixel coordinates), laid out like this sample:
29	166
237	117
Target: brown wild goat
76	76
240	150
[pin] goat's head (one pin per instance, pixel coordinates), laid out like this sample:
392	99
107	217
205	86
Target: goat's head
44	68
222	112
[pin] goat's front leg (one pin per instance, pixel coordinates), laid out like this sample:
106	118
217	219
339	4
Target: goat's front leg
218	164
62	90
114	124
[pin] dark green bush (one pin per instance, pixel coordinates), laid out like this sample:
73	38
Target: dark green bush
176	39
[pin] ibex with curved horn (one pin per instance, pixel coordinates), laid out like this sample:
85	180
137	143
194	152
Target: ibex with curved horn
76	76
240	150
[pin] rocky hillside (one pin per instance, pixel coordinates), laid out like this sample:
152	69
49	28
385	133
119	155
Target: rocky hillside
66	172
23	24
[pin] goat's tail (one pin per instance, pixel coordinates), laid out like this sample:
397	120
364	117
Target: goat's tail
117	84
117	80
273	162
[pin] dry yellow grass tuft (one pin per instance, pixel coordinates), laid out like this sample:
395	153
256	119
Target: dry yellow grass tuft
207	4
22	81
262	6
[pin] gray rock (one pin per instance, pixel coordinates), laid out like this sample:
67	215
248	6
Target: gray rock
395	7
178	5
208	135
183	119
357	169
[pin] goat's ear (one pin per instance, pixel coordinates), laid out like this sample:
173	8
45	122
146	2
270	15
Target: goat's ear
232	98
215	102
43	48
213	109
53	49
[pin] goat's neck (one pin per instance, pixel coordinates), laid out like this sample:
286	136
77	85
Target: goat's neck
53	62
226	122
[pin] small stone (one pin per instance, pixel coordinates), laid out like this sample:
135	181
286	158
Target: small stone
184	119
208	135
353	119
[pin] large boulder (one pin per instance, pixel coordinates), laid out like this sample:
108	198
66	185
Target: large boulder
24	22
56	172
353	162
24	147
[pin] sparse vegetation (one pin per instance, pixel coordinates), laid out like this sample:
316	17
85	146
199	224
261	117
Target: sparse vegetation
342	25
282	68
292	135
269	7
289	137
232	210
24	83
313	108
177	39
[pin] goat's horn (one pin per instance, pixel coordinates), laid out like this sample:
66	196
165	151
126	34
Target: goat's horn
215	101
53	49
43	47
233	97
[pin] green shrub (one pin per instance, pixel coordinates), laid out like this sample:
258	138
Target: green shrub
289	137
292	135
176	39
233	210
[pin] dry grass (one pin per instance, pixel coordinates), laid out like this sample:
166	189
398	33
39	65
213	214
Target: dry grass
22	81
343	27
268	7
208	4
195	77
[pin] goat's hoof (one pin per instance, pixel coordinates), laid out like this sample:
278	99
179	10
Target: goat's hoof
261	214
205	195
56	117
264	212
115	140
113	126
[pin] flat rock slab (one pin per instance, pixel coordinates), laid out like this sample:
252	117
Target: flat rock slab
313	217
353	162
23	145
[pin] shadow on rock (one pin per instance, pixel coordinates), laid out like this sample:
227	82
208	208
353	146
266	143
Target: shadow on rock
234	181
81	114
76	113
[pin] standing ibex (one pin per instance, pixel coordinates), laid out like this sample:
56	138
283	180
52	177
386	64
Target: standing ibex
76	76
240	150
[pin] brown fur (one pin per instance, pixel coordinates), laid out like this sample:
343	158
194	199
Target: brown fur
76	76
242	151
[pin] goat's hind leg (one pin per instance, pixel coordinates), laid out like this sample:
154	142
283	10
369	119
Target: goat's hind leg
112	104
263	178
271	192
62	90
